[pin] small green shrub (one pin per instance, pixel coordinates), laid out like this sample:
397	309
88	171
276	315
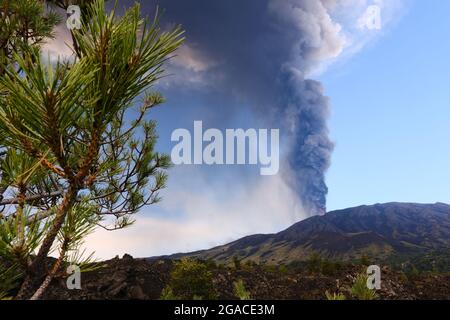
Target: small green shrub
365	260
314	263
317	264
211	264
360	290
250	264
271	268
240	291
403	277
167	294
335	296
296	265
413	273
283	269
237	263
330	267
191	279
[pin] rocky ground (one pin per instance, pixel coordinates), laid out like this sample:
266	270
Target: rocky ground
129	278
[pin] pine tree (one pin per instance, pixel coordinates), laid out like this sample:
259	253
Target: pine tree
77	150
23	23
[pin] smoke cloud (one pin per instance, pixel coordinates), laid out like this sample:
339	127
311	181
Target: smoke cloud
251	59
314	38
263	51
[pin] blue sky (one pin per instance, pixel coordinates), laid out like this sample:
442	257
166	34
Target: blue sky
389	113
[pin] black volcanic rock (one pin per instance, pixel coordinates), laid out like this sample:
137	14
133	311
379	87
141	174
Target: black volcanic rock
380	231
138	279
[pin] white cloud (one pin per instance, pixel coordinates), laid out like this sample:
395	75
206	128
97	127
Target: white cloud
208	216
203	213
60	46
358	24
320	37
191	58
337	29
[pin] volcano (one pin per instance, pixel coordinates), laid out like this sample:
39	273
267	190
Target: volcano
380	231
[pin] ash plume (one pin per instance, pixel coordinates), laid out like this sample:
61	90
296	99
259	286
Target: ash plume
310	147
261	52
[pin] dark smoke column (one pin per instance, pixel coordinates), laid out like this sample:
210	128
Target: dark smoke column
258	53
313	37
309	156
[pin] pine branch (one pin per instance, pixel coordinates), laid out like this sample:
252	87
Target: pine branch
31	199
65	144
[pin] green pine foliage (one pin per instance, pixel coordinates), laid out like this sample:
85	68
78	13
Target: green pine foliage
77	148
167	294
317	265
240	291
237	263
190	279
335	296
360	290
23	23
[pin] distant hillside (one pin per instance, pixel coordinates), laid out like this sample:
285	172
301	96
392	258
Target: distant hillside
380	231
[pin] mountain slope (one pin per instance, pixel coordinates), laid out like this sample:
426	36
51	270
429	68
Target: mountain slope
380	231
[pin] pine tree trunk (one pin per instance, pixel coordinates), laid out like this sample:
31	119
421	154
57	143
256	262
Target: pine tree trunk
37	266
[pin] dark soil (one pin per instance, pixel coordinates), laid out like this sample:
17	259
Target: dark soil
129	278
